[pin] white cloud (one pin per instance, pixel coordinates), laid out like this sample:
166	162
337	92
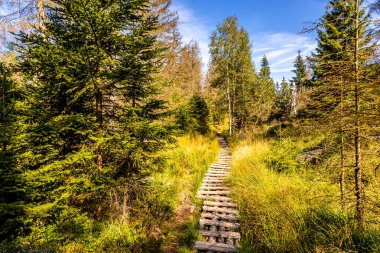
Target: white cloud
281	50
279	47
194	28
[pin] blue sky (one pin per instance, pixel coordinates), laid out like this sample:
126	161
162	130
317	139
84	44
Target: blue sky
273	27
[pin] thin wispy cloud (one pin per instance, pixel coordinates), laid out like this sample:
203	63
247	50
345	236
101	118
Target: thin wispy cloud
279	47
281	51
193	28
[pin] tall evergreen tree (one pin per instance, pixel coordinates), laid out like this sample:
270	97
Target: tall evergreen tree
266	91
11	184
93	118
300	71
283	101
343	84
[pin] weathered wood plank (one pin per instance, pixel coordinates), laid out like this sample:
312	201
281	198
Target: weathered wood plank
220	224
220	210
217	173
217	198
217	247
220	193
219	204
225	234
213	181
220	217
214	188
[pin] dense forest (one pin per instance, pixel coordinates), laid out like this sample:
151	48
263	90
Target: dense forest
108	124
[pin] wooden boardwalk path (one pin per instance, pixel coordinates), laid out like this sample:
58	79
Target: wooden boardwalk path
219	219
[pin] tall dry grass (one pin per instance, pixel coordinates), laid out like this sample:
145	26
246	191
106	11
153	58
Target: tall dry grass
286	208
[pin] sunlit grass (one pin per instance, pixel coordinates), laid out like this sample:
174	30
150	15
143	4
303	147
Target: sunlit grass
290	211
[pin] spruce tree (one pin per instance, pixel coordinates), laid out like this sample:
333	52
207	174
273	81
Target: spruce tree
12	213
93	108
266	91
283	101
300	71
345	90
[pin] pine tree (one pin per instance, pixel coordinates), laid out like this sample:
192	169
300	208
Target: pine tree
245	92
193	118
300	71
283	101
266	91
12	213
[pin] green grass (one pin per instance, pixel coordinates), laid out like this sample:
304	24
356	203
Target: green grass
287	208
187	165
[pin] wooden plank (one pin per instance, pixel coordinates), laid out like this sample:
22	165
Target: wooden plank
220	217
218	169
220	164
221	190
213	181
220	193
220	183
225	234
217	247
222	210
221	179
215	198
213	184
214	188
220	204
221	176
210	188
216	173
221	224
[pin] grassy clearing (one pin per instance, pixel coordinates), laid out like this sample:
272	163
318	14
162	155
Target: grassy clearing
285	207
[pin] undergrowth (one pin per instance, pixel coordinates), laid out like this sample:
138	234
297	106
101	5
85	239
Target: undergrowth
154	214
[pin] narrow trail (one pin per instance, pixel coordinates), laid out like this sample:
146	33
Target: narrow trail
219	218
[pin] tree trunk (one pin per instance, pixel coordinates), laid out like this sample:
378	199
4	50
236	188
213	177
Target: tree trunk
357	132
342	161
294	98
342	172
41	16
99	120
229	104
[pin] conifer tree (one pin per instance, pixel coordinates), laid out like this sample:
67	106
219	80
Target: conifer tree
11	184
94	113
266	91
344	85
283	101
300	71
